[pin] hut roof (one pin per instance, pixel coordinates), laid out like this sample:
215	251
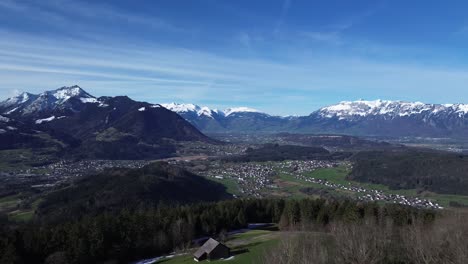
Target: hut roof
209	245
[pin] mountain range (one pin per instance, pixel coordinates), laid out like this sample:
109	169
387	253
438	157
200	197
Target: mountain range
362	118
73	117
79	124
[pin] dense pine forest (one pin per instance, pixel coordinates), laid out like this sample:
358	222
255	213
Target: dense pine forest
132	234
434	171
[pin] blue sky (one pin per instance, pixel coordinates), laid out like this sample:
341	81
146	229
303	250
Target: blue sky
279	56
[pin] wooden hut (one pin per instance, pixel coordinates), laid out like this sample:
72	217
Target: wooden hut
212	250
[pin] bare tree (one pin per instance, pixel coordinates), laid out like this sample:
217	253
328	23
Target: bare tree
358	243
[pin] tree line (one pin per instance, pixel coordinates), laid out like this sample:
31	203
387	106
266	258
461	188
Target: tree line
147	232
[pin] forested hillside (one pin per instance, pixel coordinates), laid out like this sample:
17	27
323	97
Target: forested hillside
134	234
439	172
116	189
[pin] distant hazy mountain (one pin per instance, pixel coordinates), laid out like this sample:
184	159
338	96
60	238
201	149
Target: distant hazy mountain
370	118
105	127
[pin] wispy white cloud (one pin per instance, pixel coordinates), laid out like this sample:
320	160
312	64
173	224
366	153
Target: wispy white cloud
164	74
294	81
100	11
333	32
81	17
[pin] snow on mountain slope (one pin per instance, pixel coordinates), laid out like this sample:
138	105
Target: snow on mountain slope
48	119
206	111
181	108
190	108
18	99
348	110
231	111
26	103
4	119
65	93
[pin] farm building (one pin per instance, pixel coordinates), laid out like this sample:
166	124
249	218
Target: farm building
212	250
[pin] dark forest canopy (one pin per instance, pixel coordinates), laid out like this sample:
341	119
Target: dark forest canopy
439	172
117	188
276	152
127	235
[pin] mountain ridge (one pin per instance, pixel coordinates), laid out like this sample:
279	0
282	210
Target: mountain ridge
98	128
358	118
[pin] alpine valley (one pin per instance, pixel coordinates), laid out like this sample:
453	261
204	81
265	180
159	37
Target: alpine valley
81	125
87	179
361	118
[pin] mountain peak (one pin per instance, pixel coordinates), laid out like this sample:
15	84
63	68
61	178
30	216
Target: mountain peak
206	111
66	92
27	103
181	108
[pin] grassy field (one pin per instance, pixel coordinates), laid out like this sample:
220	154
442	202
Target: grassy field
9	205
338	176
21	216
231	185
25	214
293	185
335	175
246	248
20	159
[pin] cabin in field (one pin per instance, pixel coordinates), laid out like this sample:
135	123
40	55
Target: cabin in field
212	250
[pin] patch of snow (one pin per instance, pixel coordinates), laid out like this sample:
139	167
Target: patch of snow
156	106
230	111
66	93
189	108
156	259
141	109
4	119
88	100
12	110
205	111
2	131
101	104
18	99
60	117
181	108
11	128
40	121
462	108
347	109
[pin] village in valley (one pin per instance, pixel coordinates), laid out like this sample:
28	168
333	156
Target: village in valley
266	179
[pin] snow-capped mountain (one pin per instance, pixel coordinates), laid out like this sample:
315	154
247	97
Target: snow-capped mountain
389	118
64	98
206	111
235	119
370	118
77	123
349	110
